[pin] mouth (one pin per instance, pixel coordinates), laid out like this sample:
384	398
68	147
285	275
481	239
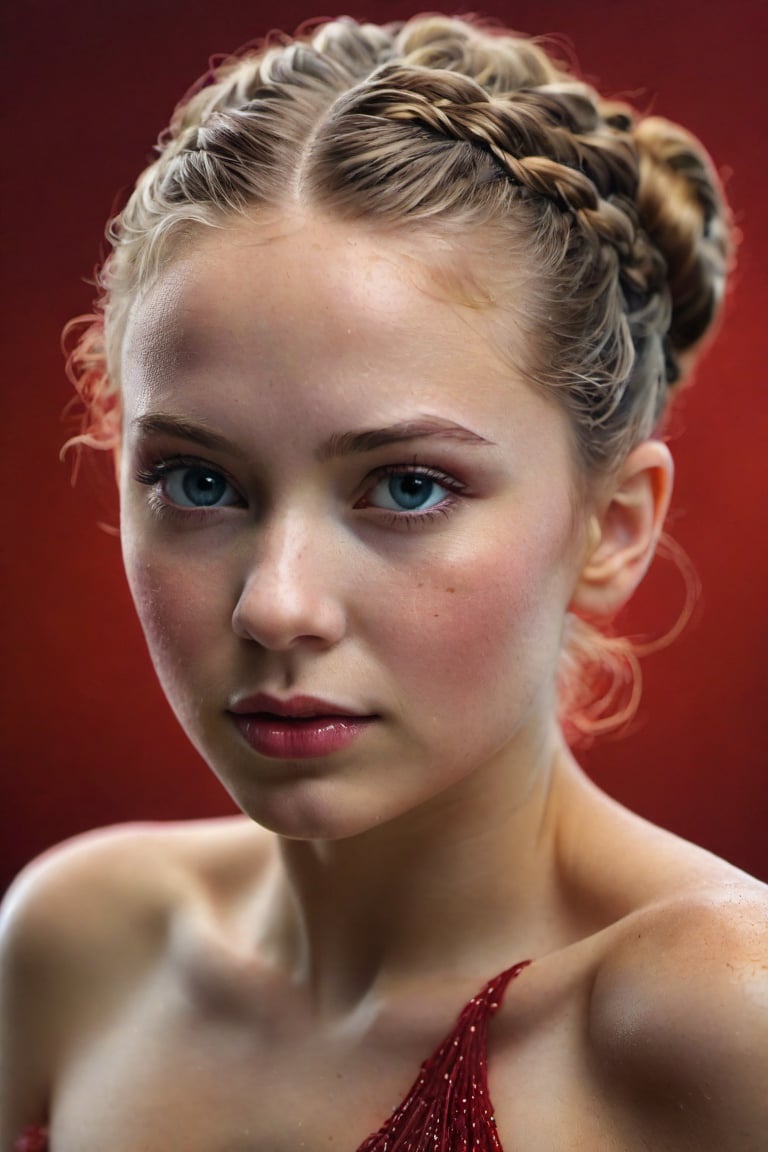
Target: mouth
292	708
301	727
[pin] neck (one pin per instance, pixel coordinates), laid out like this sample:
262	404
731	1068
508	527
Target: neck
463	885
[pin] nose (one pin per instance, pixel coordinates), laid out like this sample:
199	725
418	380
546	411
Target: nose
290	592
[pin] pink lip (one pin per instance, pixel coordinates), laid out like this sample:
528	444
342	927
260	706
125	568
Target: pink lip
297	728
294	706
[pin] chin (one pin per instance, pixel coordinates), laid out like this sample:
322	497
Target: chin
299	808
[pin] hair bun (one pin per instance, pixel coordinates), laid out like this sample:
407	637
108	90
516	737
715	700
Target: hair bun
684	213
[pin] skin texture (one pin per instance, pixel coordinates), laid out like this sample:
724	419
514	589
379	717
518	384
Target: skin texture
334	335
219	986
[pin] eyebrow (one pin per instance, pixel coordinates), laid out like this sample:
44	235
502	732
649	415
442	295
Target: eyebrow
339	444
351	443
158	424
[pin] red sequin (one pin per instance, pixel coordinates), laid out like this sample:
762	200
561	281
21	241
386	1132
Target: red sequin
32	1139
449	1109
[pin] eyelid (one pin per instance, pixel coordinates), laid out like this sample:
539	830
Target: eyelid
447	479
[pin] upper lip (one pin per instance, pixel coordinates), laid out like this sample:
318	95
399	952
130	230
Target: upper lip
297	706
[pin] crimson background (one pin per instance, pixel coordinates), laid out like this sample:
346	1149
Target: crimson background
87	737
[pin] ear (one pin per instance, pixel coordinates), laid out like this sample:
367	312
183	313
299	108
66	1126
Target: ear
624	531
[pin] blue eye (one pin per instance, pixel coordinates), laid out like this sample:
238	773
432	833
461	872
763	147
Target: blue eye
407	492
196	486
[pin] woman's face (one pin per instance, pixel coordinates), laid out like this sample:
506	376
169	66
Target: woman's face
333	487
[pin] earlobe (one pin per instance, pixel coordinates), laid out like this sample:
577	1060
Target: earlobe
622	535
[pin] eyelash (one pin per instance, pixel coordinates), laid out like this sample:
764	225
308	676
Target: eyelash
405	519
152	475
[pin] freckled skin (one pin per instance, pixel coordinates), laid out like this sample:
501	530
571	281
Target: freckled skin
449	630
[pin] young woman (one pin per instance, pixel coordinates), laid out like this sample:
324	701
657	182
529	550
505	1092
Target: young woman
388	333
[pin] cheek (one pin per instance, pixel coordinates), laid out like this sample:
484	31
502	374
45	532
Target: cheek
178	607
484	621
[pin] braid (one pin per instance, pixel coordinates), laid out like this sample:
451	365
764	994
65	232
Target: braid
545	158
532	132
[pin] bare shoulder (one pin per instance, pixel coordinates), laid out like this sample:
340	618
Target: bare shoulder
79	928
117	889
680	1012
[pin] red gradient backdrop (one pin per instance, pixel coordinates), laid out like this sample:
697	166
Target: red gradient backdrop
87	736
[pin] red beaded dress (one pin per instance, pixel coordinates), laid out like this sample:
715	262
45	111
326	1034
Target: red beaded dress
448	1109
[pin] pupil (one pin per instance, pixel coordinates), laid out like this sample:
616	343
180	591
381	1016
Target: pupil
410	490
203	487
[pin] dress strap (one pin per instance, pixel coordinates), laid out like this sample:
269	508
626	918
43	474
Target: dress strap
448	1108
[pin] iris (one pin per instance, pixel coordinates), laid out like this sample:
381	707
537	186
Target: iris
410	489
200	487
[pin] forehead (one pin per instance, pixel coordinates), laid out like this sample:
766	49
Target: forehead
325	314
311	276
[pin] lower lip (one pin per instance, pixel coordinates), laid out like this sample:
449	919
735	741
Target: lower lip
300	738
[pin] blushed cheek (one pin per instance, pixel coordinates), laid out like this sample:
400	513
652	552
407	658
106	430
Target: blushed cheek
483	629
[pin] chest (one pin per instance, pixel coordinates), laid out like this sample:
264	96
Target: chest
165	1071
163	1075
